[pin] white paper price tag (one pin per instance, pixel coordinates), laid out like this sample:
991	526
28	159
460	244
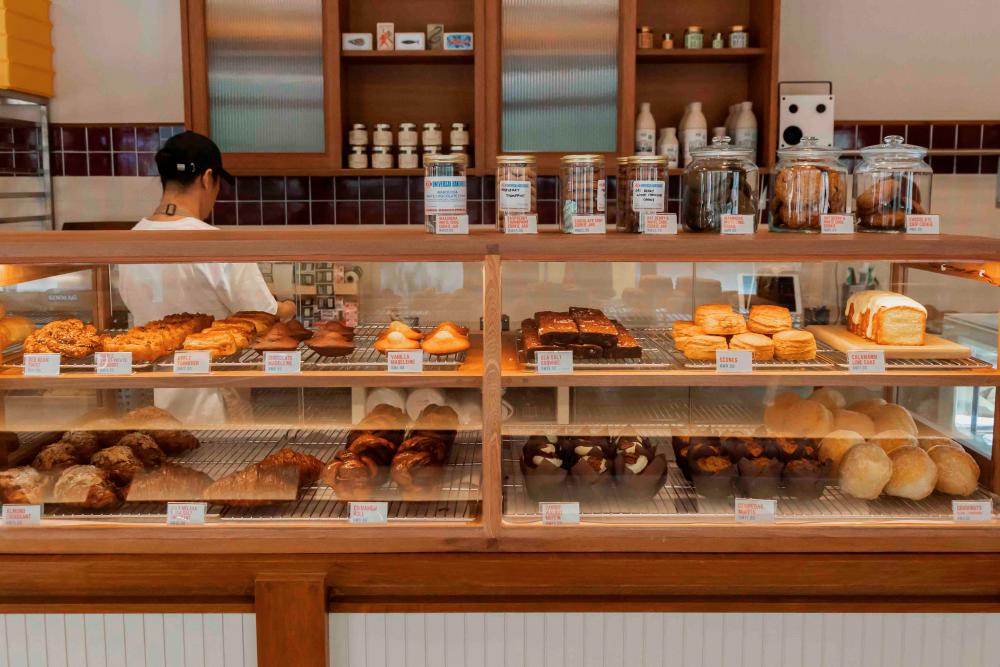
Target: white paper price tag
520	223
192	362
554	361
41	365
866	361
22	515
923	224
283	363
737	224
113	363
589	224
648	196
753	510
556	514
186	514
514	196
368	513
733	361
972	510
405	361
836	223
658	223
451	224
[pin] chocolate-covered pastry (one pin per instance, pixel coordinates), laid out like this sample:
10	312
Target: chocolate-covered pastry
144	448
168	483
174	442
591	473
639	473
306	466
624	442
85	486
713	476
542	467
353	476
807	478
330	344
759	477
556	328
572	447
417	475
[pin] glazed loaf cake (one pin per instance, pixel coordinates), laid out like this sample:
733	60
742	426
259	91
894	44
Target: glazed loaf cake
887	318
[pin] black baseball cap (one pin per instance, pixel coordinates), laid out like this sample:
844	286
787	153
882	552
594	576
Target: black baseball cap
191	153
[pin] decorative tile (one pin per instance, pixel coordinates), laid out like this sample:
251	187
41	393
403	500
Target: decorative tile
75	164
224	213
845	137
247	188
272	188
227	192
396	187
126	164
123	138
297	187
248	213
371	187
147	164
28	163
297	212
55	138
348	213
347	188
98	138
970	136
321	188
944	136
25	138
147	139
397	212
273	213
74	138
323	212
372	212
548	187
869	135
919	135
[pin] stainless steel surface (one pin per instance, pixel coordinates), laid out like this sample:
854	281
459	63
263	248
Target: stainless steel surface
560	75
265	74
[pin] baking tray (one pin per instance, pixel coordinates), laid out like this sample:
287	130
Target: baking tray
653	357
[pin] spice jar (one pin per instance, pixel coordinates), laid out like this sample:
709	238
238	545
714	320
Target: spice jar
739	38
358	159
583	188
717	41
891	182
381	158
645	39
431	136
645	191
444	186
408	158
358	136
621	187
668	41
809	182
459	134
721	180
516	186
382	136
407	134
693	37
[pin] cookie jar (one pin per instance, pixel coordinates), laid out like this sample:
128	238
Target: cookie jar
809	181
721	179
892	181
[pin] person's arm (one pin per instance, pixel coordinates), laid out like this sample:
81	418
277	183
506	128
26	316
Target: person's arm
241	287
286	310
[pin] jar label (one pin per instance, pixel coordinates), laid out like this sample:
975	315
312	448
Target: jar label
515	196
444	194
836	223
658	223
587	224
745	137
923	224
602	198
737	224
645	140
520	223
648	195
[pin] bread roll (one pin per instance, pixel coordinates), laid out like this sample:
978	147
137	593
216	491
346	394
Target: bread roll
958	472
864	471
894	439
774	413
866	405
913	473
929	443
799	419
829	397
850	420
836	445
891	417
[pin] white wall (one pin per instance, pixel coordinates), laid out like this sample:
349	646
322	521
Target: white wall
897	59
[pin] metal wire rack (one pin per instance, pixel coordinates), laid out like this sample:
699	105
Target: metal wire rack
929	364
652	357
13	357
825	356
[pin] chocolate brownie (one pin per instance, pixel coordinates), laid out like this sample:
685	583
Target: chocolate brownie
556	328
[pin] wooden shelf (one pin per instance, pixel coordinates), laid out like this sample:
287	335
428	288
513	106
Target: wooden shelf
426	56
699	55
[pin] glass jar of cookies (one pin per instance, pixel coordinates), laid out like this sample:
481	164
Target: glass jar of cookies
645	191
721	180
583	189
809	182
621	187
516	186
892	181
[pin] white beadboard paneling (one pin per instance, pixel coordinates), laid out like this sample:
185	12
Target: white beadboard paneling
93	625
114	640
55	640
173	641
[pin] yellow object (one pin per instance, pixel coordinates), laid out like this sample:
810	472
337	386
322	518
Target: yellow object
26	47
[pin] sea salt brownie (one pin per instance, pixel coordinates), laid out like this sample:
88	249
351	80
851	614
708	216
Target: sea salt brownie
530	341
595	327
556	328
628	347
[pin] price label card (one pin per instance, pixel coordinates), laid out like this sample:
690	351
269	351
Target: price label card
451	224
648	196
753	510
192	362
972	510
866	361
733	361
520	223
658	223
368	513
559	514
737	224
923	224
405	361
41	365
554	361
113	363
589	224
22	515
514	196
186	514
836	224
283	363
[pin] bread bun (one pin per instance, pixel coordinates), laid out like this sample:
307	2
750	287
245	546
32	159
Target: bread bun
929	443
890	417
775	412
864	471
958	472
835	446
829	397
866	405
849	420
801	419
913	473
894	439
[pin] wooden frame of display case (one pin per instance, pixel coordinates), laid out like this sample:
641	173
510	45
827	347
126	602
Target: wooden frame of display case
300	570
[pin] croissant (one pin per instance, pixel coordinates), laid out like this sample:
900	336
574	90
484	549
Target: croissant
254	486
170	482
307	467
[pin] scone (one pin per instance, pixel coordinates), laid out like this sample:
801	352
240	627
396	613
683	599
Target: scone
835	446
704	310
794	345
683	331
717	323
864	471
914	474
760	345
894	439
702	347
958	472
769	319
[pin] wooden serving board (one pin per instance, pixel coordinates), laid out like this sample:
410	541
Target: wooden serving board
839	338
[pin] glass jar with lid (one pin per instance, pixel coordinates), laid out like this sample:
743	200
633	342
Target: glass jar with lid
516	186
621	187
810	181
583	189
892	181
444	186
721	180
645	191
459	135
381	157
358	136
408	158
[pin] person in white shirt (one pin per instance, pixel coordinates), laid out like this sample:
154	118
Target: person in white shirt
190	167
